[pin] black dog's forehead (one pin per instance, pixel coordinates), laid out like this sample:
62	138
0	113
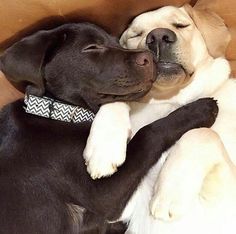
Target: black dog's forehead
90	33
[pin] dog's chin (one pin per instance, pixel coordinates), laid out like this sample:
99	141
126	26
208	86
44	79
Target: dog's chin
126	94
134	95
171	75
171	78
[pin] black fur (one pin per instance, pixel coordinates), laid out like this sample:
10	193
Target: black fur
44	185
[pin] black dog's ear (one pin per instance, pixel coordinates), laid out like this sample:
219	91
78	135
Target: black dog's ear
22	63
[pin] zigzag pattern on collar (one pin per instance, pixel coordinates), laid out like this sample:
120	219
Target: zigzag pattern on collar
52	109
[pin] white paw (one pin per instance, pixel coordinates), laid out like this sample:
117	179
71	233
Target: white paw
106	146
170	205
103	156
177	187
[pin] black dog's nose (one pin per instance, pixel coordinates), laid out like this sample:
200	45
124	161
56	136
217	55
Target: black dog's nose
160	36
143	59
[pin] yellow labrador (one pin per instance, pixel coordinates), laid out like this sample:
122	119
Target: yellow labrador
194	184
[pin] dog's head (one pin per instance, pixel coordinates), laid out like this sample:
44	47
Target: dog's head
80	64
182	39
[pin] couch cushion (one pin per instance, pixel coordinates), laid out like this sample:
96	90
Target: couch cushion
22	17
227	10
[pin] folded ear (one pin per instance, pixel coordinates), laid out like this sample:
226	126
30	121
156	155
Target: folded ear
212	28
22	63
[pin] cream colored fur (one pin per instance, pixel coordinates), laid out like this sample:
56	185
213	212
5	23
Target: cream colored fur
192	189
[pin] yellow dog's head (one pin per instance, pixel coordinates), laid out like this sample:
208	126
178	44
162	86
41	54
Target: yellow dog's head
183	39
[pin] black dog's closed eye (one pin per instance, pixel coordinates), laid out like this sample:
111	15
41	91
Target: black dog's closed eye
179	25
93	48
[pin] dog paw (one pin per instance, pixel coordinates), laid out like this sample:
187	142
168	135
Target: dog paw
106	151
170	205
106	146
104	158
178	184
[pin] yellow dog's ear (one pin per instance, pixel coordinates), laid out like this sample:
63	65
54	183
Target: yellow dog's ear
212	28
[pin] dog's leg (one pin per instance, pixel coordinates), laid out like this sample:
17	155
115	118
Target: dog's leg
107	142
197	154
110	131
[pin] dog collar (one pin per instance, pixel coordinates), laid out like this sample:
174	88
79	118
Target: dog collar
53	109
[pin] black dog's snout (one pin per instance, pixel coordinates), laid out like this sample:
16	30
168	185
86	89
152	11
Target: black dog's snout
160	37
143	59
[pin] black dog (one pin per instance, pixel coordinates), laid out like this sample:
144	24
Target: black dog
44	185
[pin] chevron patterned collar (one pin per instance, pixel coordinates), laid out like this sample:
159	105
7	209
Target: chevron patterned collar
52	109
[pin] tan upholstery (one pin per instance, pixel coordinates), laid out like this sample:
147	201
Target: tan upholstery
227	10
22	17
